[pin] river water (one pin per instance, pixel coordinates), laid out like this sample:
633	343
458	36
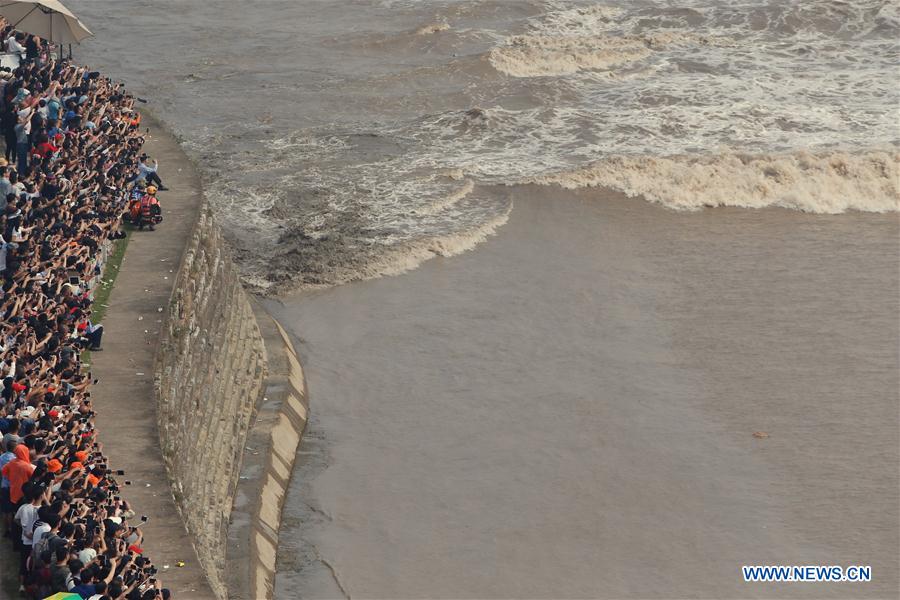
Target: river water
568	410
681	225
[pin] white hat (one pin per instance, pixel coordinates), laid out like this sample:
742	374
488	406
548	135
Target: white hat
87	555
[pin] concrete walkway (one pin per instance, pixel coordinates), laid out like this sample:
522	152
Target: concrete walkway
125	398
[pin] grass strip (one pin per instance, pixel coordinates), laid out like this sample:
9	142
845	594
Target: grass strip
107	281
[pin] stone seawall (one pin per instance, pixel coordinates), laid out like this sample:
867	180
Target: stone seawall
232	407
211	368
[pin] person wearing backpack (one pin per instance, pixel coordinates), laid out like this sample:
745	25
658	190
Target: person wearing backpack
37	580
59	571
25	518
45	532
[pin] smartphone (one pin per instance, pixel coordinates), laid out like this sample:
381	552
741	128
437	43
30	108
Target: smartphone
127	482
144	518
120	472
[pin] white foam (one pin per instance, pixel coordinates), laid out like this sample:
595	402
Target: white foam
432	28
571	40
442	204
829	183
407	257
703	103
397	259
538	56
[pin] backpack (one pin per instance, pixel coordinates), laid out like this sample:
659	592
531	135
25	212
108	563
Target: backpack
38	546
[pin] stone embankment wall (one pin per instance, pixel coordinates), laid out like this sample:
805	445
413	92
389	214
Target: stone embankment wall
232	406
211	372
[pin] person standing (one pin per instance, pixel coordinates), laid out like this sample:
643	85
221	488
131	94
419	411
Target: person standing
6	186
23	137
26	517
8	124
32	48
7	507
13	45
17	472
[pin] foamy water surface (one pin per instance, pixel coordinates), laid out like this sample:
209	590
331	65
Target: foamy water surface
347	139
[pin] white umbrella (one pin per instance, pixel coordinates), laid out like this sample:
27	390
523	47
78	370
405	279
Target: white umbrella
48	19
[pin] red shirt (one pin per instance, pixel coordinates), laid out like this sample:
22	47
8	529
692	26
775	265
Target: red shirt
45	149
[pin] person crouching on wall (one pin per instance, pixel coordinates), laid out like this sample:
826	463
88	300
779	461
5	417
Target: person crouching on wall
150	211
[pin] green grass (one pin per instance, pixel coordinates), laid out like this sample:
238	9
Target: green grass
107	281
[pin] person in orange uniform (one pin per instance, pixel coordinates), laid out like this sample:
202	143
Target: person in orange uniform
149	209
18	471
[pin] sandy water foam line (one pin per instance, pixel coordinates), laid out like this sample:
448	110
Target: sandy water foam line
828	183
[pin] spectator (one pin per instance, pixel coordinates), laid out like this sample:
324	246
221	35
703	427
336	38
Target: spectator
6	187
8	124
13	45
75	138
150	174
32	48
23	133
25	518
18	471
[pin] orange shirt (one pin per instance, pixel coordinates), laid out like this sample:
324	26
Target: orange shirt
18	471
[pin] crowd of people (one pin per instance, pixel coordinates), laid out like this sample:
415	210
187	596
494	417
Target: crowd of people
73	169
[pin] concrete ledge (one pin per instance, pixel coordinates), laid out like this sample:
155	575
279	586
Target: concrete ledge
125	398
266	469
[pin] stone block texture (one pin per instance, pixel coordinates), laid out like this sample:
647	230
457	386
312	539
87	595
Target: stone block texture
210	375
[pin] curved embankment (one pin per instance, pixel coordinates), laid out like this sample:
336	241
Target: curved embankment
228	394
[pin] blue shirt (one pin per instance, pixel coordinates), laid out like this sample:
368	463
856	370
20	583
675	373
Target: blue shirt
5	458
85	590
53	107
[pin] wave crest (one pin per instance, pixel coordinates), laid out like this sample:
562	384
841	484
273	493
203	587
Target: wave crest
537	56
542	55
445	202
827	183
432	28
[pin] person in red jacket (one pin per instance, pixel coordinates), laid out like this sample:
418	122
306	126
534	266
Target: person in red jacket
18	471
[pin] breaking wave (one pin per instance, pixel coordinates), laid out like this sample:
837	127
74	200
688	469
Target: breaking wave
565	42
446	202
432	28
406	258
539	56
376	138
535	56
828	183
305	262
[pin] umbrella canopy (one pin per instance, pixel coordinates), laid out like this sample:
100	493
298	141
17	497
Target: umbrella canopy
63	596
48	19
